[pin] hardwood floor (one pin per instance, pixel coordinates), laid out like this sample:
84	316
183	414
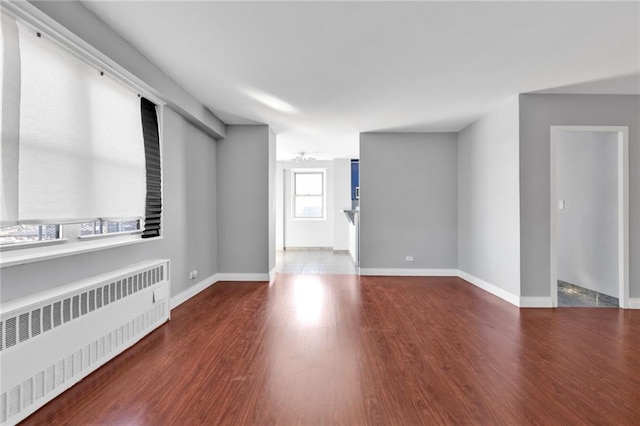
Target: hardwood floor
349	350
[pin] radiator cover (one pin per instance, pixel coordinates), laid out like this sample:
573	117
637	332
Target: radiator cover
52	340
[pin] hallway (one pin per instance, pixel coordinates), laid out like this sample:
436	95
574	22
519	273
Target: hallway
311	262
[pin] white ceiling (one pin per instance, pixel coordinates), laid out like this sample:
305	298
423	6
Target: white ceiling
319	73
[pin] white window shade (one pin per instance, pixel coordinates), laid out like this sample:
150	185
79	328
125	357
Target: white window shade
81	154
9	119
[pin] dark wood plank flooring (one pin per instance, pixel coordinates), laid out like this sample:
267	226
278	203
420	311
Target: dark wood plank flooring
349	350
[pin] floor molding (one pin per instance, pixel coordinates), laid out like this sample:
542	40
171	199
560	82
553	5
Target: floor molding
490	288
634	303
187	294
398	272
223	276
272	274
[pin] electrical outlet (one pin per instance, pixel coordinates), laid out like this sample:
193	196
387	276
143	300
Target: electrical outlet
409	258
193	274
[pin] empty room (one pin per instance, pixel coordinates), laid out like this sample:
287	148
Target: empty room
319	212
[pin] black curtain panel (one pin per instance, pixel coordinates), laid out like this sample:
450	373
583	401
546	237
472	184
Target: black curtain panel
153	210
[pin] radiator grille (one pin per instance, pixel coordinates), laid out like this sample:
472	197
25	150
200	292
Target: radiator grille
31	390
19	329
27	332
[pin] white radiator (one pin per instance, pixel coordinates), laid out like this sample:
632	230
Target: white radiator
52	340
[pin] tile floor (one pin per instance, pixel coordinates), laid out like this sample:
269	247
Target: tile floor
570	295
312	262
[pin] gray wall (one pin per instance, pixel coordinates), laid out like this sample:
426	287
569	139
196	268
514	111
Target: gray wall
189	227
408	200
587	227
272	199
489	198
537	114
243	177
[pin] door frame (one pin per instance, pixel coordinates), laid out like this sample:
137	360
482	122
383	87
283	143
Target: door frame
623	207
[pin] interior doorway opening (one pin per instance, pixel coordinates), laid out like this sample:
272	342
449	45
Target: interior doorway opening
314	232
589	216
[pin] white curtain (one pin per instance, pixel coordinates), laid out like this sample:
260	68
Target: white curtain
81	151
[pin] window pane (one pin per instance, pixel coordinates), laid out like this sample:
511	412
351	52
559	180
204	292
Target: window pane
109	227
100	227
308	183
90	228
28	233
308	206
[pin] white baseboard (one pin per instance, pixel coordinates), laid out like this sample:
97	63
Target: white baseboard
272	274
536	302
192	291
398	272
490	288
243	277
634	303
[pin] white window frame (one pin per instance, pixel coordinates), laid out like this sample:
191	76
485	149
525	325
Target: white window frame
323	172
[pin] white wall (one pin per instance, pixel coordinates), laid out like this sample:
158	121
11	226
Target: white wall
408	200
587	233
537	114
342	201
489	198
189	234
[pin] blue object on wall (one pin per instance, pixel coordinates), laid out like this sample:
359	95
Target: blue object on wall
355	177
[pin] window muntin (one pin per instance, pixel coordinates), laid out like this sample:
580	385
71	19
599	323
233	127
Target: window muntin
308	194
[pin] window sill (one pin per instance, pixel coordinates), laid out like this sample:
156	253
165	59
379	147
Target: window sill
112	235
31	244
38	254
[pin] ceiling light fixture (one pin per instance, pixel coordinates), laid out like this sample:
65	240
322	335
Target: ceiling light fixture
303	158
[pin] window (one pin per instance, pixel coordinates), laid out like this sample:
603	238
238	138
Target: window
308	194
104	227
28	233
76	144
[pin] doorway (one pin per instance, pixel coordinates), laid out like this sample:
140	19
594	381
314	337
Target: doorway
313	235
589	216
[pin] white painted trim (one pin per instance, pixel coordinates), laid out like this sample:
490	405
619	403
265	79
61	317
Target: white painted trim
243	277
623	208
37	254
536	302
187	294
490	288
634	303
393	272
272	274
